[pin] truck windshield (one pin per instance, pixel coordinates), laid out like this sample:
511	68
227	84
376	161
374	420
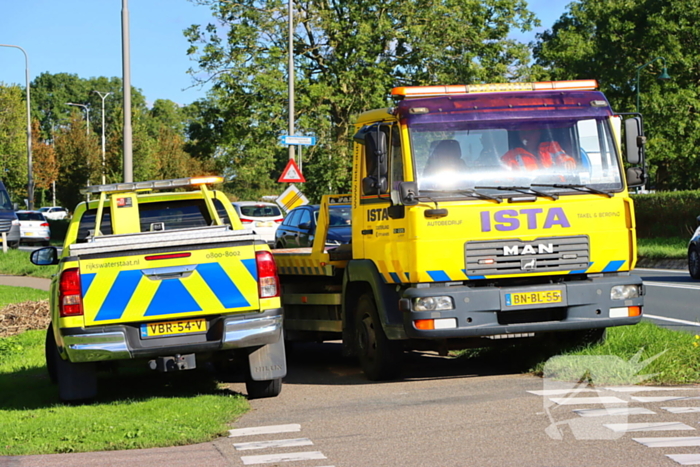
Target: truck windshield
462	150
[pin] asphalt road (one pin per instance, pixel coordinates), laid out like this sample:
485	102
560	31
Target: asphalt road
672	299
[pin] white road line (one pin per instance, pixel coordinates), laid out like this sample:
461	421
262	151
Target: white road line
561	392
647	388
614	411
685	459
682	409
275	443
264	430
662	426
671	286
661	398
669	442
286	457
672	320
586	400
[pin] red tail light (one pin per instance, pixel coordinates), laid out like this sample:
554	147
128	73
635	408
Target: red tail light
279	221
268	281
246	221
70	297
44	224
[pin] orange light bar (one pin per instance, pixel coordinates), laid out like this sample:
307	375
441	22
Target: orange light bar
424	324
203	180
431	91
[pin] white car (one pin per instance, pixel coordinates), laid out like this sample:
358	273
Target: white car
33	227
263	218
54	212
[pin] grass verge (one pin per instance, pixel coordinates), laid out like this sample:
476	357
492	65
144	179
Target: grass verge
663	248
10	295
16	263
642	353
136	408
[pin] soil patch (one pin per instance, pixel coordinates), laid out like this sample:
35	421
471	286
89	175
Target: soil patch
25	316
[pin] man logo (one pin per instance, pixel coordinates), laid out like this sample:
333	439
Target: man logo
539	249
528	265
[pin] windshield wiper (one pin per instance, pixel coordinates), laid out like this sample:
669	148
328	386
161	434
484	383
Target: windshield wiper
576	187
526	190
467	191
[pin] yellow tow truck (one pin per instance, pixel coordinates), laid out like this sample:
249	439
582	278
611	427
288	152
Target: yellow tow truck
167	277
457	244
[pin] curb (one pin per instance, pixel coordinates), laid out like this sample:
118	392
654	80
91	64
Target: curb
678	264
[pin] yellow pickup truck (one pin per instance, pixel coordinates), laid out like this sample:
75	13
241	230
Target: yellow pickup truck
170	278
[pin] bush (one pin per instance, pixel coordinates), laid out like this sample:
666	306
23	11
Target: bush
58	229
666	214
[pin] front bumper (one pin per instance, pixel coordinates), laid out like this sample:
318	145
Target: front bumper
483	312
123	342
12	235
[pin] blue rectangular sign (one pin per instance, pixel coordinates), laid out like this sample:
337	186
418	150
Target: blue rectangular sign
298	140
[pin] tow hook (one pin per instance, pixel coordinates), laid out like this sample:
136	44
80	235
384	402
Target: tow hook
173	363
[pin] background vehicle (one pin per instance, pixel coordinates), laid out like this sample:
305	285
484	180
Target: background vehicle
54	212
446	259
33	227
299	227
263	218
8	219
694	253
168	278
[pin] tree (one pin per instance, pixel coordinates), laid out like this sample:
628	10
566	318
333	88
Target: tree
348	55
44	162
13	141
609	40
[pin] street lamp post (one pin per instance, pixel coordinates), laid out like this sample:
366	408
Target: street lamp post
30	177
87	113
663	76
103	96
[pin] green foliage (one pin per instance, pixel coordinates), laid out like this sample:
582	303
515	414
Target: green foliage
613	41
667	214
13	142
136	408
663	248
348	55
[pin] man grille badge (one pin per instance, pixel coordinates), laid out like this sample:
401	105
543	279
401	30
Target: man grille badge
528	264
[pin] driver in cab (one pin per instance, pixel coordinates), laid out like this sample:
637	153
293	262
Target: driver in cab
535	154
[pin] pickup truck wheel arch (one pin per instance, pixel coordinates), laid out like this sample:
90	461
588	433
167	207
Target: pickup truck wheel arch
379	357
51	353
76	381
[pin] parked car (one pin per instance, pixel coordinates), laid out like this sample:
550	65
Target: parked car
299	227
54	212
694	253
33	227
9	225
263	218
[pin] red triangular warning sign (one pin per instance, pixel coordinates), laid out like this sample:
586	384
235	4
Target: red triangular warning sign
291	174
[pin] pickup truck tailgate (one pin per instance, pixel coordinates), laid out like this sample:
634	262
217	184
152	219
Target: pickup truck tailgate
173	275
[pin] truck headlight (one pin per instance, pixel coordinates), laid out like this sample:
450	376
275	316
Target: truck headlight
624	292
433	303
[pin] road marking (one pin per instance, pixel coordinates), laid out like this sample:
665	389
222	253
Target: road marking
285	457
685	459
661	398
264	430
278	443
663	426
646	388
672	320
586	400
682	409
614	411
669	442
560	392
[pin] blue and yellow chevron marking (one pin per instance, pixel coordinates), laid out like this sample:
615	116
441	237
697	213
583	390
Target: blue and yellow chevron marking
113	295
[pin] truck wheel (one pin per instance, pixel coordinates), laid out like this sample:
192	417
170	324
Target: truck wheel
694	262
380	358
263	389
76	381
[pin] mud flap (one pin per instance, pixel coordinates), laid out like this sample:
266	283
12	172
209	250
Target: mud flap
268	362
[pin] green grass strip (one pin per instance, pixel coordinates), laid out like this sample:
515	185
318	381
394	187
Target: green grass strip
9	295
16	263
136	408
663	248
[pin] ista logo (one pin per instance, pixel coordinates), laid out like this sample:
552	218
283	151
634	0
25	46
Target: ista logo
379	214
506	220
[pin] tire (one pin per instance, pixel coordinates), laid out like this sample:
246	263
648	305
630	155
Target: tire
694	262
76	381
380	358
263	389
13	245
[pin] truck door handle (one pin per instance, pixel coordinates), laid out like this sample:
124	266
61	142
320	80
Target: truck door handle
172	272
367	232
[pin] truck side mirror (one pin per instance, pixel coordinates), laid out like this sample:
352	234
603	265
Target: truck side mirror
634	140
374	140
44	256
635	177
408	191
373	186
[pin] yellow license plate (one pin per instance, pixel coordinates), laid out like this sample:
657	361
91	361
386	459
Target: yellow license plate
541	297
29	233
173	328
263	224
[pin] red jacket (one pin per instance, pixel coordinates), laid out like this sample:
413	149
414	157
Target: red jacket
550	154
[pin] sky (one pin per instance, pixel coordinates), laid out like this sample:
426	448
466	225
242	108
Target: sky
84	37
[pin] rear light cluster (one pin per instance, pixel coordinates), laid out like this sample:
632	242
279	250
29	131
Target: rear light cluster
70	297
268	280
279	221
246	221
